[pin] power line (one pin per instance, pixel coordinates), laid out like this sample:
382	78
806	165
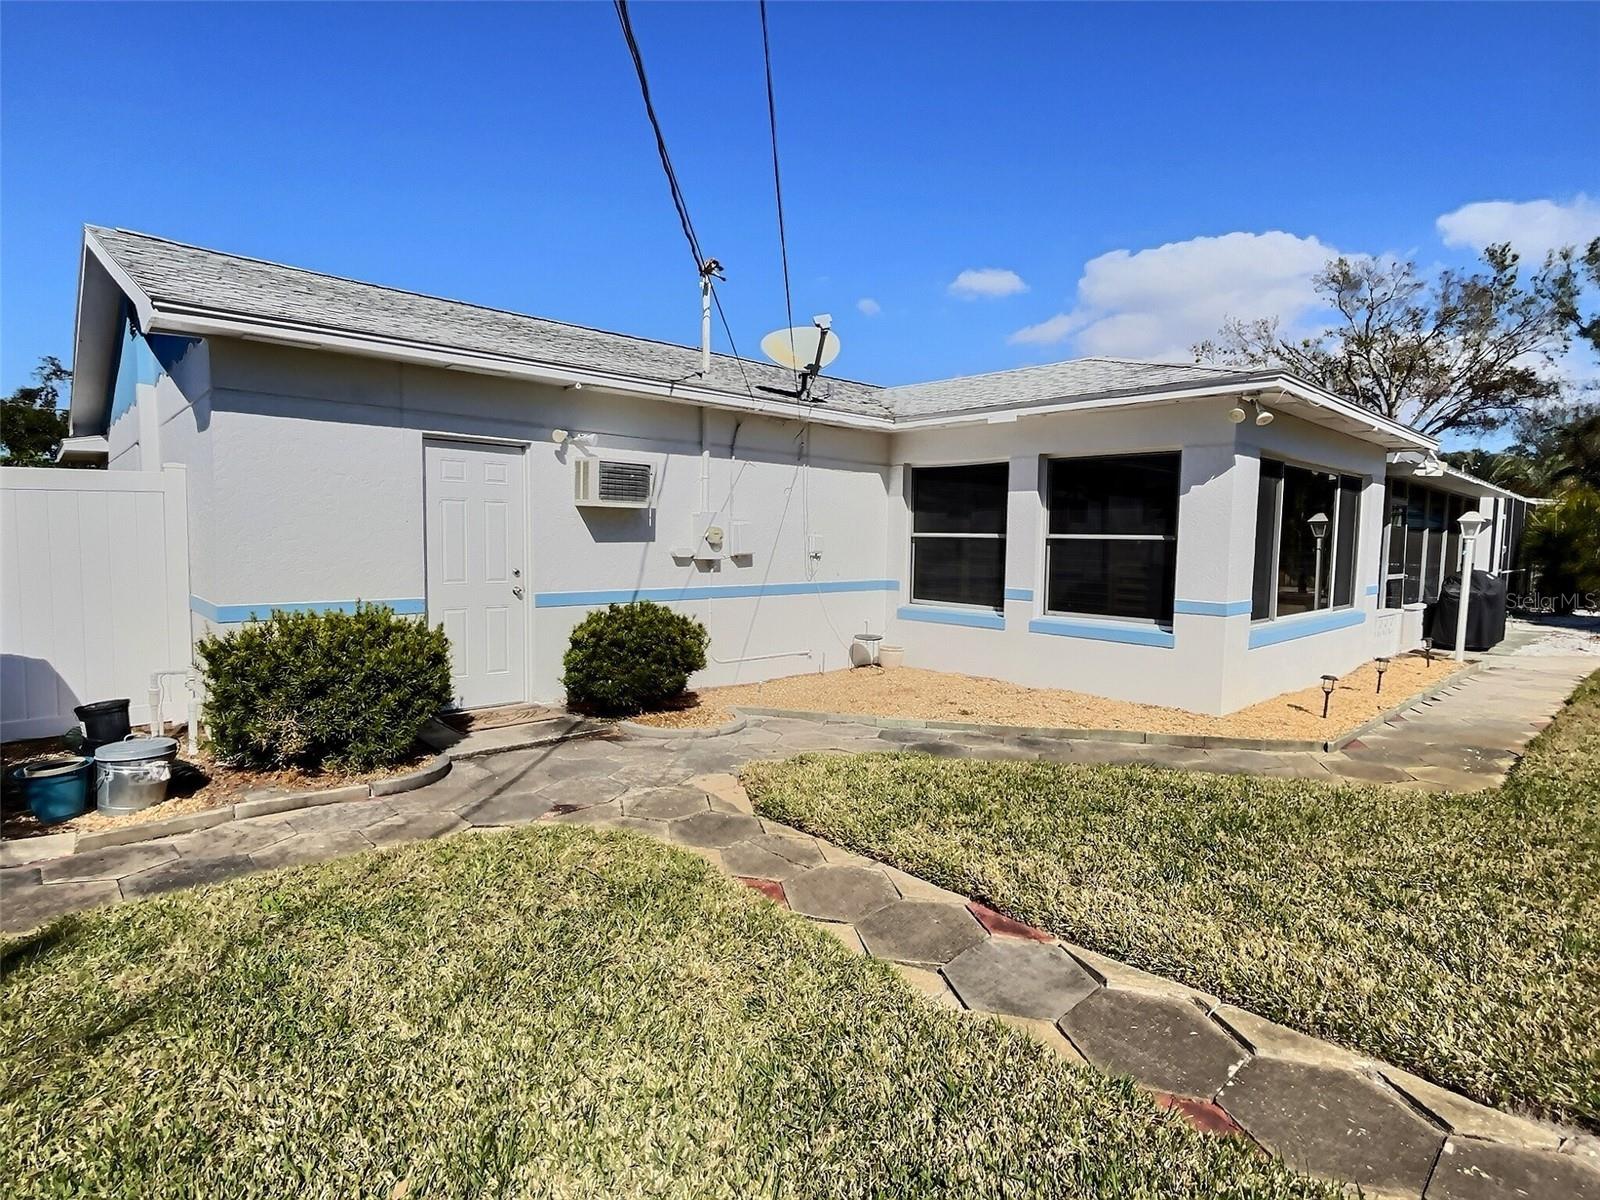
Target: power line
702	265
777	184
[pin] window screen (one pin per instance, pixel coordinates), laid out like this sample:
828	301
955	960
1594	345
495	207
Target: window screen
1306	532
1111	547
958	534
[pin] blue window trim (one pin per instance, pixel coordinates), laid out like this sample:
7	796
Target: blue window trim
234	614
976	618
1289	629
1372	589
1019	594
735	591
1130	633
1211	608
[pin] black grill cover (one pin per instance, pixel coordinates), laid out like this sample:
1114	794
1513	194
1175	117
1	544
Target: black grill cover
1486	615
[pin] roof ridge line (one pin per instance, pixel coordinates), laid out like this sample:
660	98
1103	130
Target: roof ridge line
509	312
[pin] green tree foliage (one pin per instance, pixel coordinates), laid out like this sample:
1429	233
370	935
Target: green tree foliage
348	691
1465	352
630	657
32	423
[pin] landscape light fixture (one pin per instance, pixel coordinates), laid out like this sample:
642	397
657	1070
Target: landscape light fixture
1319	530
1472	524
1327	692
1427	650
1383	665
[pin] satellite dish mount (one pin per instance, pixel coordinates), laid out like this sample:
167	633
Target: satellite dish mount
805	349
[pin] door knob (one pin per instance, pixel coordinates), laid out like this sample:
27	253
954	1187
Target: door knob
517	591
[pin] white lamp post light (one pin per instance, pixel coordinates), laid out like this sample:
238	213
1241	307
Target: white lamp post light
1472	524
1319	530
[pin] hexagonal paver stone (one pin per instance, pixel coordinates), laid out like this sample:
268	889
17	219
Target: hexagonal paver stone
1023	979
920	931
1336	1123
1473	1170
839	893
665	804
713	830
1164	1042
514	808
752	858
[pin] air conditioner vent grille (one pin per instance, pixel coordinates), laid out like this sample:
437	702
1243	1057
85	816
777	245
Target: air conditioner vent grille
624	483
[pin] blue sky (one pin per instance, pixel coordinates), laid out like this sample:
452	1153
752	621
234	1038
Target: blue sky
1140	171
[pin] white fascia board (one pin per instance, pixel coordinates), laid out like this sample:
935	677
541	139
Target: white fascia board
144	308
1364	416
96	333
205	323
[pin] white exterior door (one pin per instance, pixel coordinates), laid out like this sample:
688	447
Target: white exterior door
476	499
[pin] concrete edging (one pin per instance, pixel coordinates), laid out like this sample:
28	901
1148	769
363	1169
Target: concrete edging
15	853
1193	741
667	733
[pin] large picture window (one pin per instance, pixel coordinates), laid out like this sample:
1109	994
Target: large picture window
1306	524
1111	549
1424	542
958	535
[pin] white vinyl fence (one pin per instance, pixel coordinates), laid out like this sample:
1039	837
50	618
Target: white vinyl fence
94	592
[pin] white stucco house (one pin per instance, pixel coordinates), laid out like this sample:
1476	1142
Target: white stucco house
1103	525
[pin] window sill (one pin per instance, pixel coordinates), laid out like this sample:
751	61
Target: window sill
1301	625
975	618
1128	632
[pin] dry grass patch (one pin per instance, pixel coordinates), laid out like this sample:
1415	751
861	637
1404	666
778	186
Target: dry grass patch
943	696
1455	935
550	1012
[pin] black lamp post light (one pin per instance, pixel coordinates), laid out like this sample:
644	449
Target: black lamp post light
1327	692
1427	650
1383	665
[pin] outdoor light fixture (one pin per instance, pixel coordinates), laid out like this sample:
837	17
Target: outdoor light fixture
1327	692
1319	530
1238	414
1382	665
1427	650
1472	524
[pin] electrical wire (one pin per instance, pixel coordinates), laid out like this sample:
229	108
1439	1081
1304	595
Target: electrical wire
777	189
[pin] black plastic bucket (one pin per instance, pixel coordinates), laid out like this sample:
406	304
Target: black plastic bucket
104	721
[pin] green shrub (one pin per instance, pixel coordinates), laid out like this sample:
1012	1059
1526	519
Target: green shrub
632	657
348	691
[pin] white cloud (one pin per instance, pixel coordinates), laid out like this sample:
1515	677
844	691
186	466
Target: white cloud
1156	303
986	283
868	307
1533	227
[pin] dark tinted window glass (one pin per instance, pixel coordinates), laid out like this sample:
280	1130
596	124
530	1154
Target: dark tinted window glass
1137	494
1306	494
959	499
959	570
1266	537
1344	583
1112	578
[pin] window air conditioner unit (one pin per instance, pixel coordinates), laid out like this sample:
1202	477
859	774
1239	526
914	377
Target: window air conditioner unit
611	483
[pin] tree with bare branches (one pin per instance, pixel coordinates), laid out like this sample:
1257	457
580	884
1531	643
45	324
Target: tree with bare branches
1465	353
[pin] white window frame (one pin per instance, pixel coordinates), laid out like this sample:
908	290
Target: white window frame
1333	527
1044	574
914	536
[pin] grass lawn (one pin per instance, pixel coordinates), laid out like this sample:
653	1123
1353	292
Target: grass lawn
550	1012
1457	936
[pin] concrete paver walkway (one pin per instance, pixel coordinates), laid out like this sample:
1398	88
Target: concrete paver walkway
1325	1110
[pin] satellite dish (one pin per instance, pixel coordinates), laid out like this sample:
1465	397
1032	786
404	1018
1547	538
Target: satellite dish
797	348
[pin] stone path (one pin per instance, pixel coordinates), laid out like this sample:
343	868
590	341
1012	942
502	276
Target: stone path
1323	1109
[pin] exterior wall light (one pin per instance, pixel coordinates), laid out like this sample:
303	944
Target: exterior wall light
1237	414
1327	692
1383	665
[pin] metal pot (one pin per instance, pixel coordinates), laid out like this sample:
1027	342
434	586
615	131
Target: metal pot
132	775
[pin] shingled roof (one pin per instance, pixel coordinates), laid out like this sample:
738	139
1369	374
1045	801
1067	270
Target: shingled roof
182	288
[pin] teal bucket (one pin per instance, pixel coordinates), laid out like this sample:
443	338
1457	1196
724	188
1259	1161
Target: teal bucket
56	789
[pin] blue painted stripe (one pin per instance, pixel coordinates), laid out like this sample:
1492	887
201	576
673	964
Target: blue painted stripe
735	591
1105	631
975	617
1211	608
233	614
1289	629
1019	593
1372	589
